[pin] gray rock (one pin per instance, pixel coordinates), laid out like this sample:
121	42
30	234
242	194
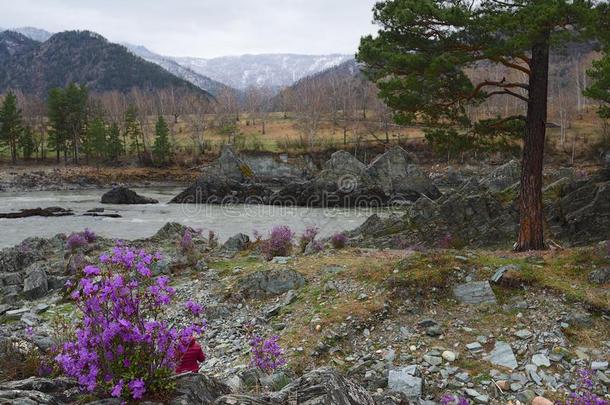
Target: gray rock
503	176
433	360
16	313
497	276
523	334
599	365
406	380
236	243
323	386
268	283
478	292
600	276
198	389
123	195
35	284
541	360
474	347
502	355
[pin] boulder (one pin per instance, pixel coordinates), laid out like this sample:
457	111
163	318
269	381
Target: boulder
477	292
216	190
123	195
229	166
30	250
35	284
398	175
198	389
503	176
38	390
270	283
236	243
323	386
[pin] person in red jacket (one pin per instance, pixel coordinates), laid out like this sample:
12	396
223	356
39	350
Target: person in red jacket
190	359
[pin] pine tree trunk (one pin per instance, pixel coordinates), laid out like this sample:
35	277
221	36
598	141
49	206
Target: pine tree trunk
531	226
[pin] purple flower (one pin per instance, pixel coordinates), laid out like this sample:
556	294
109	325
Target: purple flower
186	243
308	237
117	389
89	235
194	308
338	240
91	271
267	355
137	388
279	242
75	241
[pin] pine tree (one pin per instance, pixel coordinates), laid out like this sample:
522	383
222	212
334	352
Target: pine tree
26	142
133	130
58	133
67	118
96	139
10	124
115	145
162	147
419	60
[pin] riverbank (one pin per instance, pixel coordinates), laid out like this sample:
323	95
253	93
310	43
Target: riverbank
57	178
491	326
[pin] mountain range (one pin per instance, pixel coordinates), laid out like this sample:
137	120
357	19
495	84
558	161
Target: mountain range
228	72
82	57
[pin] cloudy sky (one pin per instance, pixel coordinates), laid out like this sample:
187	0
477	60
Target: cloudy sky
205	28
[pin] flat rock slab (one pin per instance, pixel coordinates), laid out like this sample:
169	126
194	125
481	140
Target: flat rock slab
502	355
406	380
478	292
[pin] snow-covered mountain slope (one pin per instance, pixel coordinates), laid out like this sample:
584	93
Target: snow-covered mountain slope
268	70
199	80
36	34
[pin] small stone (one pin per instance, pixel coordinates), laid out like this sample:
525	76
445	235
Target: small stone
541	401
433	360
448	355
523	334
463	377
599	365
16	313
474	347
503	385
502	355
541	360
434	331
516	387
426	323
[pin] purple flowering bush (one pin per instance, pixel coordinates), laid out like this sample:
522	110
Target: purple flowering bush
80	239
123	347
266	354
279	242
449	399
308	237
338	240
583	394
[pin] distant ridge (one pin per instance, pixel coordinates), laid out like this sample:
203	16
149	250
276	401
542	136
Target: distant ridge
82	57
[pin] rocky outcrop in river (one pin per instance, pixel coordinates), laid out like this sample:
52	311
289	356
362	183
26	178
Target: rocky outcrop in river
343	182
123	195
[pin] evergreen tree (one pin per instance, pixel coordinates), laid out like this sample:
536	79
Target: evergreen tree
419	60
10	124
27	143
115	145
133	131
97	142
162	147
58	133
68	118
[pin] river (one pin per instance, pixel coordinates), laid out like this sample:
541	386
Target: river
140	221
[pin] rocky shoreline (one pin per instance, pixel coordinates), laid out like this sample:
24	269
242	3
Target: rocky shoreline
401	327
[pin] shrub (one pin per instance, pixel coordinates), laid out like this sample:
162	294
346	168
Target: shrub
583	394
266	355
308	236
80	239
212	239
449	399
338	240
279	242
123	348
19	360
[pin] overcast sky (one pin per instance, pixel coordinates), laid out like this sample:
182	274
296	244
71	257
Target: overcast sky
205	28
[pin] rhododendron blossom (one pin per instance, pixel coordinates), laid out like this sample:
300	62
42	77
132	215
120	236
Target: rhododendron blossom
123	346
